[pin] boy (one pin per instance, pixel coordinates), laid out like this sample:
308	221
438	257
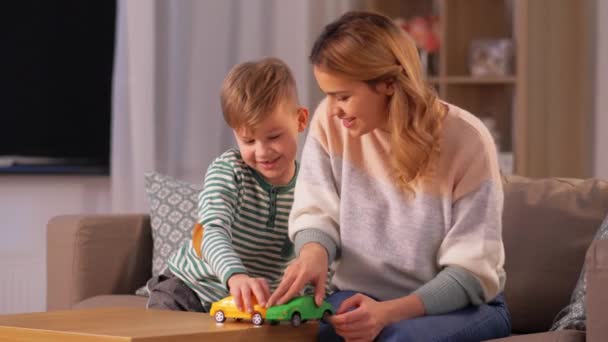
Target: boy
240	246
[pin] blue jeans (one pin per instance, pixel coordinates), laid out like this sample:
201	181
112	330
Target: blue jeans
473	323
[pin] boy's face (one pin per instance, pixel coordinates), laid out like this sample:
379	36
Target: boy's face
271	148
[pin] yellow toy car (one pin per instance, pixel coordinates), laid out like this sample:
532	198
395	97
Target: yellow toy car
226	308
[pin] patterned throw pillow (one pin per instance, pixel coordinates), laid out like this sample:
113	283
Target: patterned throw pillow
173	214
573	315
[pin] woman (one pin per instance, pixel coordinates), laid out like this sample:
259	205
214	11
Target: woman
401	192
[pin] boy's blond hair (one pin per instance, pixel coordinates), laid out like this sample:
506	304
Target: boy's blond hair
253	90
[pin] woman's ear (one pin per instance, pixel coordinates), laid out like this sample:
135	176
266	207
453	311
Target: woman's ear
386	87
302	118
390	88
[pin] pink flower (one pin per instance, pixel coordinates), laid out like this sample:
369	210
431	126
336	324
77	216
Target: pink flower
423	30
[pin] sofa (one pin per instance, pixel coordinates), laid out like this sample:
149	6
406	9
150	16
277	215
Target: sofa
548	229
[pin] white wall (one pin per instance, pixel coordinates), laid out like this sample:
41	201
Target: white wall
26	205
601	92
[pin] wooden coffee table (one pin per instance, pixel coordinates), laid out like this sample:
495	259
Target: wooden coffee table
135	324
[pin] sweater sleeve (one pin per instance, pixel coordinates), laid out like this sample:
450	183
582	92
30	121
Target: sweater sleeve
217	204
315	212
452	289
474	240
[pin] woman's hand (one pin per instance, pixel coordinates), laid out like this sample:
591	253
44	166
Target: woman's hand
360	318
243	286
309	267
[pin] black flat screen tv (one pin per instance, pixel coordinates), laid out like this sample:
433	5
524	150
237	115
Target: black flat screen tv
55	89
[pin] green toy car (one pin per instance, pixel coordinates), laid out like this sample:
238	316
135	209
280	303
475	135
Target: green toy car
298	310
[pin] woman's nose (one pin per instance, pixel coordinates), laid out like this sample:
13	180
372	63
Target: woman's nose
336	111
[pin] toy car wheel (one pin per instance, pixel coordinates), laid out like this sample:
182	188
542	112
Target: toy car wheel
219	316
296	319
274	322
257	318
326	316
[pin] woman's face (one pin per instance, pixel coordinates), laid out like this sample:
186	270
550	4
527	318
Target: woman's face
360	107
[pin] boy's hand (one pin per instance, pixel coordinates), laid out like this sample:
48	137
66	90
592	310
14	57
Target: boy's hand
243	286
309	267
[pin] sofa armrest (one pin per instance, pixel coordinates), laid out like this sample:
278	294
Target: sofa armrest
597	294
89	255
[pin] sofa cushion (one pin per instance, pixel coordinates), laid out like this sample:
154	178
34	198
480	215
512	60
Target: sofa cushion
548	225
112	301
173	213
596	297
554	336
573	316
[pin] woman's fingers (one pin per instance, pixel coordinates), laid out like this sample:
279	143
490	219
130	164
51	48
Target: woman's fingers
311	264
293	290
284	285
359	317
349	319
320	288
351	302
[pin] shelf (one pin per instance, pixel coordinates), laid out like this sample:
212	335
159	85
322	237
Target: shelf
472	80
480	80
433	80
533	92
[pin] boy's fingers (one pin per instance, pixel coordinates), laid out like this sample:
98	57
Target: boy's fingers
259	293
236	295
246	296
265	287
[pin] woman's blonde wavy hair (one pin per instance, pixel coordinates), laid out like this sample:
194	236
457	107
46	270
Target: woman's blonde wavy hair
369	47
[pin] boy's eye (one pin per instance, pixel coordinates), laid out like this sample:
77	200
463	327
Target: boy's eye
248	141
274	137
342	98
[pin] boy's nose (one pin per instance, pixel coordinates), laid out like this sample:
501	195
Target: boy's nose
263	152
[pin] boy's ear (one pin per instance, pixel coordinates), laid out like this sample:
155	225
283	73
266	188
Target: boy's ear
302	118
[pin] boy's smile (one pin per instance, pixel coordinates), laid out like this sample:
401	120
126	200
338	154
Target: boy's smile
269	164
271	147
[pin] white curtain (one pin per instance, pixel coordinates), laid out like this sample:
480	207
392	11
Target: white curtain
601	89
171	57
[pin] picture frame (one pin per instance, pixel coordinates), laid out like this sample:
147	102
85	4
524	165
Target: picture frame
491	57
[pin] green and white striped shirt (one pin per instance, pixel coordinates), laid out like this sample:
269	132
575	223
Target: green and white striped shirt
245	230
